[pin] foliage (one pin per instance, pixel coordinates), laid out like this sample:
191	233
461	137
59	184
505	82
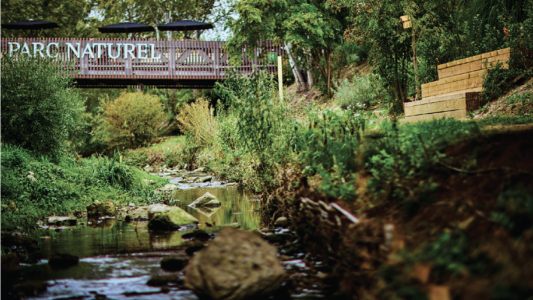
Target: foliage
40	108
34	187
154	12
131	120
515	211
71	16
197	120
262	128
329	147
311	27
361	93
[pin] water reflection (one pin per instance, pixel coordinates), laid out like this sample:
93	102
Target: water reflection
111	236
117	258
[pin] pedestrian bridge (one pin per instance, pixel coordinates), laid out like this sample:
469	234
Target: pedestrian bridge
118	63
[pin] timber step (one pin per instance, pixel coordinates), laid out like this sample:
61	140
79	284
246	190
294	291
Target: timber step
456	114
467	100
473	63
458	89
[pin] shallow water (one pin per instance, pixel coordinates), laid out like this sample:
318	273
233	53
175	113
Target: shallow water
118	258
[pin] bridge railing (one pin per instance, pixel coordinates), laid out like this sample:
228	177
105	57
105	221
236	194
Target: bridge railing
142	59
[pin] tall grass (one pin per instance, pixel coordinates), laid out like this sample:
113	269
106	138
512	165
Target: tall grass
197	120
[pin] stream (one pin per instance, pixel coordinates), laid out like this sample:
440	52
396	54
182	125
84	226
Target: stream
117	258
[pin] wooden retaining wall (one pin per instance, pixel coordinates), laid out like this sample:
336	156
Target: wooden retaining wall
457	90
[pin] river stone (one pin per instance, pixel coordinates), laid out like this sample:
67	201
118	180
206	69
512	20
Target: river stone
204	179
173	264
237	265
164	217
161	280
98	208
169	187
10	263
62	261
206	200
281	221
200	170
140	213
62	220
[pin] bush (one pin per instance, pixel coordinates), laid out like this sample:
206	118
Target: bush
360	93
197	120
39	106
131	120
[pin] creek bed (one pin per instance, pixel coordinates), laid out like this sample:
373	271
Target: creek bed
118	258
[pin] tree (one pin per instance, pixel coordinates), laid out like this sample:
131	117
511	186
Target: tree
40	108
311	30
154	12
70	15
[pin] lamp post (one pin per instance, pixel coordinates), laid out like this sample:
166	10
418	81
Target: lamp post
407	23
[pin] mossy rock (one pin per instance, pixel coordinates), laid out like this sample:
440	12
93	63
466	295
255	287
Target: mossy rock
164	217
98	208
206	200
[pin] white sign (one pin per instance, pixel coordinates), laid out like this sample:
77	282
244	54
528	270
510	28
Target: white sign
91	49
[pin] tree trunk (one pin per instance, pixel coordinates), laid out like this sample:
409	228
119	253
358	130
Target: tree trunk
328	57
301	81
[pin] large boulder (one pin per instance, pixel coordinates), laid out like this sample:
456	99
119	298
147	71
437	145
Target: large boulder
206	200
98	208
236	265
165	217
10	263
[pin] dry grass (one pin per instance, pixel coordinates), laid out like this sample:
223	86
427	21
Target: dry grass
197	120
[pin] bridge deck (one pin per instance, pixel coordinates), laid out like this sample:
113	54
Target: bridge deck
118	63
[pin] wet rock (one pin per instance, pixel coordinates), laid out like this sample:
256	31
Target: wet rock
98	208
10	263
282	222
161	280
201	170
277	238
197	246
257	231
62	220
140	214
30	288
206	200
183	181
232	184
169	187
173	264
104	224
164	217
20	241
63	261
204	179
198	234
237	265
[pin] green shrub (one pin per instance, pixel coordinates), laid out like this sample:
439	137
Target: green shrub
359	94
131	120
39	106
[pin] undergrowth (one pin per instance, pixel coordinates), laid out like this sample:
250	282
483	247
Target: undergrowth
33	187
